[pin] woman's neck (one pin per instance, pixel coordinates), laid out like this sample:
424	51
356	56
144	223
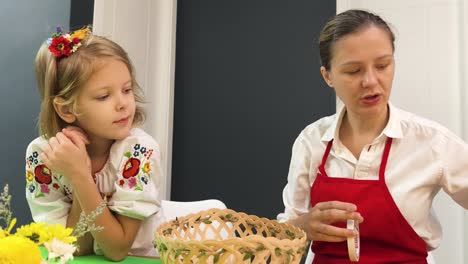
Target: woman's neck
357	131
364	125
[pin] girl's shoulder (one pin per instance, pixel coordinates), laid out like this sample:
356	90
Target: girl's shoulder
138	144
37	144
136	136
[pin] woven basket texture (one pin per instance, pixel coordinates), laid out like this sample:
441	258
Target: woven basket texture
226	236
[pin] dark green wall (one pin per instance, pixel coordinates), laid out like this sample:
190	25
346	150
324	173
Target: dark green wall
25	24
247	82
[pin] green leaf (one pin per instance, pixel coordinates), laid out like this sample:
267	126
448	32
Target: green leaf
162	247
217	255
248	255
128	154
40	195
260	248
177	253
181	251
290	235
278	252
167	231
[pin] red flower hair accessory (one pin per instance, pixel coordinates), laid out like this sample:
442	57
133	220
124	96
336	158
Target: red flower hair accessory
63	44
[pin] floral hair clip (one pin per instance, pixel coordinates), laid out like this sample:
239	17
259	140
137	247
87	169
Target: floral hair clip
62	44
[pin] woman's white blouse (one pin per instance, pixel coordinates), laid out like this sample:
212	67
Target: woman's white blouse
424	157
130	180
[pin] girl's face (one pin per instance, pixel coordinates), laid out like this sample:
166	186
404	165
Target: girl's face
106	104
362	70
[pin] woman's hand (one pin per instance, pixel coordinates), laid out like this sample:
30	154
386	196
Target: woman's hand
317	222
66	153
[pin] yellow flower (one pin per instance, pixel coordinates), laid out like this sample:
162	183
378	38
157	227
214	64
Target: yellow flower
14	249
147	167
81	33
36	232
29	176
60	232
5	233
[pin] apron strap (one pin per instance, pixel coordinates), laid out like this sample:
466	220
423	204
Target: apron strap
324	158
385	155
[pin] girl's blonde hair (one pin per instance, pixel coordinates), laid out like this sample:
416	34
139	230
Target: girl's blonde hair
65	77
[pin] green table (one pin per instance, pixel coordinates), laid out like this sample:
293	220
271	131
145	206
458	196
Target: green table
101	259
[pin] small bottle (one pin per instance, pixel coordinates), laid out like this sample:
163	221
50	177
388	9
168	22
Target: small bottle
353	242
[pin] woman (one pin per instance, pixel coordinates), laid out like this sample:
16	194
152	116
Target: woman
371	162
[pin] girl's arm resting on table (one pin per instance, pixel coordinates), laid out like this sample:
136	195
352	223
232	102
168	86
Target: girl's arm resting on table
85	242
118	233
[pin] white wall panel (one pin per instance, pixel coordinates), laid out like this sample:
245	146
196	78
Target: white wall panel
146	30
464	91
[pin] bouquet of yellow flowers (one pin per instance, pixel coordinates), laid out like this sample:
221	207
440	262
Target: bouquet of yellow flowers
59	241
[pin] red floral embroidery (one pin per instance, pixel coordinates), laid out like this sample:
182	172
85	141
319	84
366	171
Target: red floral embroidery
121	182
45	188
42	174
131	168
56	186
136	170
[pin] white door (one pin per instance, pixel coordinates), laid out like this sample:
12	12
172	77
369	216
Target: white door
431	80
146	30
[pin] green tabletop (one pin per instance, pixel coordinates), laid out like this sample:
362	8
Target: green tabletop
101	259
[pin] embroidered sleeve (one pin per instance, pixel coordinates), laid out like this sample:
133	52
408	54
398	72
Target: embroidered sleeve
138	176
48	199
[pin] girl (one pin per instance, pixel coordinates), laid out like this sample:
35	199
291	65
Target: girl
371	162
89	148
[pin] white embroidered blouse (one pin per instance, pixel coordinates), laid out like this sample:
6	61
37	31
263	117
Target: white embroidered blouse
129	179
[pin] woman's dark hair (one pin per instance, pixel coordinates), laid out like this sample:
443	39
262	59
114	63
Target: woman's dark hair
345	23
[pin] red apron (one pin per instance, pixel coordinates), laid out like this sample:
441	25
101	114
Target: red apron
386	237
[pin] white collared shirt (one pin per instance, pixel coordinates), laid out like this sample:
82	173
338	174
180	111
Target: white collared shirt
424	157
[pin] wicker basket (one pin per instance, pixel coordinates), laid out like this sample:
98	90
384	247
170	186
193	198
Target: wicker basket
226	236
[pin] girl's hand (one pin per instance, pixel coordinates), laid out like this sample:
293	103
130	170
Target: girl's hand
74	132
317	222
66	153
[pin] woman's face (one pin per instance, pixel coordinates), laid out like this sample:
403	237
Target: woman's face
361	71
